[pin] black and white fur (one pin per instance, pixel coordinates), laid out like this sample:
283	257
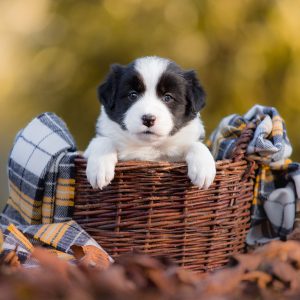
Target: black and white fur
150	111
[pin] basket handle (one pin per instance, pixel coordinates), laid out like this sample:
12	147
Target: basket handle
240	149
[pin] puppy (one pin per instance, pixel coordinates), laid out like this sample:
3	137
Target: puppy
150	111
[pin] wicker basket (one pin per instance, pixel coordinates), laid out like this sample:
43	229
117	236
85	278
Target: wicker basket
152	207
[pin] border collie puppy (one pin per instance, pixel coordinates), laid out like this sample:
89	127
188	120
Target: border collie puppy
150	111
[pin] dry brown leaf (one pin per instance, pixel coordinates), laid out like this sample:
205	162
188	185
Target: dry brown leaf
186	277
249	262
11	259
279	250
1	241
261	278
160	280
287	274
223	282
91	256
295	235
51	263
114	279
144	261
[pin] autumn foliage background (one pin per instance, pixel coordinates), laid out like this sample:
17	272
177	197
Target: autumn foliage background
53	54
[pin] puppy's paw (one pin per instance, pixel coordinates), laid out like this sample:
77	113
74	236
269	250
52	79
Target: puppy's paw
201	166
100	170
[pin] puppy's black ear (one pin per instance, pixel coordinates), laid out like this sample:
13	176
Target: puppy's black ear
195	92
107	90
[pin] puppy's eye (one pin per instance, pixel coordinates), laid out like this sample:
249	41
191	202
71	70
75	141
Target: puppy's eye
168	98
132	96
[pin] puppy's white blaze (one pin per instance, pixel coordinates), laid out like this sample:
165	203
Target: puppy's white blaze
151	68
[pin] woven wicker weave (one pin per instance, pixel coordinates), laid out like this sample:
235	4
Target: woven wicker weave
152	207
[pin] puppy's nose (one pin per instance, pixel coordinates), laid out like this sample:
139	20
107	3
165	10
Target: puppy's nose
148	120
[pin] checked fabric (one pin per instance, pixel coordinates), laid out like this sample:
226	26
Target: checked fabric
41	191
277	187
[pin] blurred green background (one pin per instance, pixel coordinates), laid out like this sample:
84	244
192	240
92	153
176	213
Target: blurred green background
53	54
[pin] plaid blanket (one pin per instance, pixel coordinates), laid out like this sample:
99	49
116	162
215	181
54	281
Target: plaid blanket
277	186
41	191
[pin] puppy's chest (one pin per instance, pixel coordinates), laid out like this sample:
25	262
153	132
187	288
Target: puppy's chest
149	153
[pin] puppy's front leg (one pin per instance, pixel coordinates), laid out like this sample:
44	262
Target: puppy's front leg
201	165
101	157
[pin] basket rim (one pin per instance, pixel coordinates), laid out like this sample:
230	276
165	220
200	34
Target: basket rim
147	163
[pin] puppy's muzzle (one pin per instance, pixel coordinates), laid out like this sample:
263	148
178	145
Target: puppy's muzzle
148	120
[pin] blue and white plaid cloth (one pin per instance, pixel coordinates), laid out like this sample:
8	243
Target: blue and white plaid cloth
41	191
277	187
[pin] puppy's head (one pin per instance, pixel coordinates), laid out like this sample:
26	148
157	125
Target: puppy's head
152	97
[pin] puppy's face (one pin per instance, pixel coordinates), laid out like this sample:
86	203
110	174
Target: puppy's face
151	98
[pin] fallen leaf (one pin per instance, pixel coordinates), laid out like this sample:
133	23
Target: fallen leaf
91	256
294	235
261	278
1	241
51	263
11	259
